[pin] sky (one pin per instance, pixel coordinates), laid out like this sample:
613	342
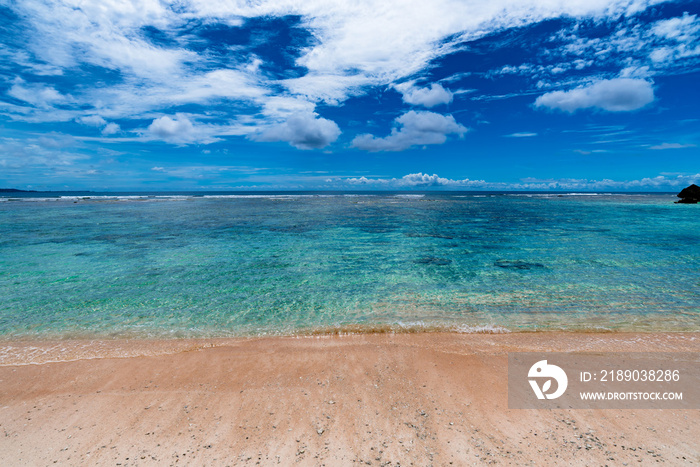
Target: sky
143	95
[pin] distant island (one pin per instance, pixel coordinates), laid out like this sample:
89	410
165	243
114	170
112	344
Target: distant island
15	190
689	195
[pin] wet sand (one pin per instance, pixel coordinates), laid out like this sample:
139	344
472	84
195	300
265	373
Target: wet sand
373	399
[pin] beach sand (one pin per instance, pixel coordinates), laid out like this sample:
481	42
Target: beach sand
367	399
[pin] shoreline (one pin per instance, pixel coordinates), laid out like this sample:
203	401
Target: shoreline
377	399
19	351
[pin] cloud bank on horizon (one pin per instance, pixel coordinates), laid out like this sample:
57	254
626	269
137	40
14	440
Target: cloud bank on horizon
317	94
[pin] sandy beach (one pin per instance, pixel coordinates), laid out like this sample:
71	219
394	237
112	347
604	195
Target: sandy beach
374	399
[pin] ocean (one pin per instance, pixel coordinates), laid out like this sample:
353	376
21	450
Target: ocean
171	265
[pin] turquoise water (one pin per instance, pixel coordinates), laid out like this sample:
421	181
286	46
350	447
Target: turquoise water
232	265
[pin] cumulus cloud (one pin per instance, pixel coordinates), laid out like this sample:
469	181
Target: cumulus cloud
303	131
412	129
663	182
659	182
110	129
613	95
166	127
414	180
99	122
179	130
421	179
427	97
92	120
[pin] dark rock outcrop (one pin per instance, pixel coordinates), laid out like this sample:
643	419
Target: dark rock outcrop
517	264
689	195
433	260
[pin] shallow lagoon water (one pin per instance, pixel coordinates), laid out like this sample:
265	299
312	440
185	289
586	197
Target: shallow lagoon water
187	265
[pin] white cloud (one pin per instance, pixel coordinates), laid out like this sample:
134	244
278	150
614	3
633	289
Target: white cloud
427	97
521	135
414	180
660	182
179	130
128	100
110	129
225	83
613	95
55	141
98	121
92	120
356	44
104	34
329	87
303	131
110	34
663	182
540	71
671	146
660	55
424	180
281	107
421	179
641	49
682	35
412	129
55	151
681	29
377	44
38	95
166	127
635	72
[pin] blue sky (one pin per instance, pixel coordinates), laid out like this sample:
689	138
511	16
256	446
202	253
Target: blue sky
595	95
